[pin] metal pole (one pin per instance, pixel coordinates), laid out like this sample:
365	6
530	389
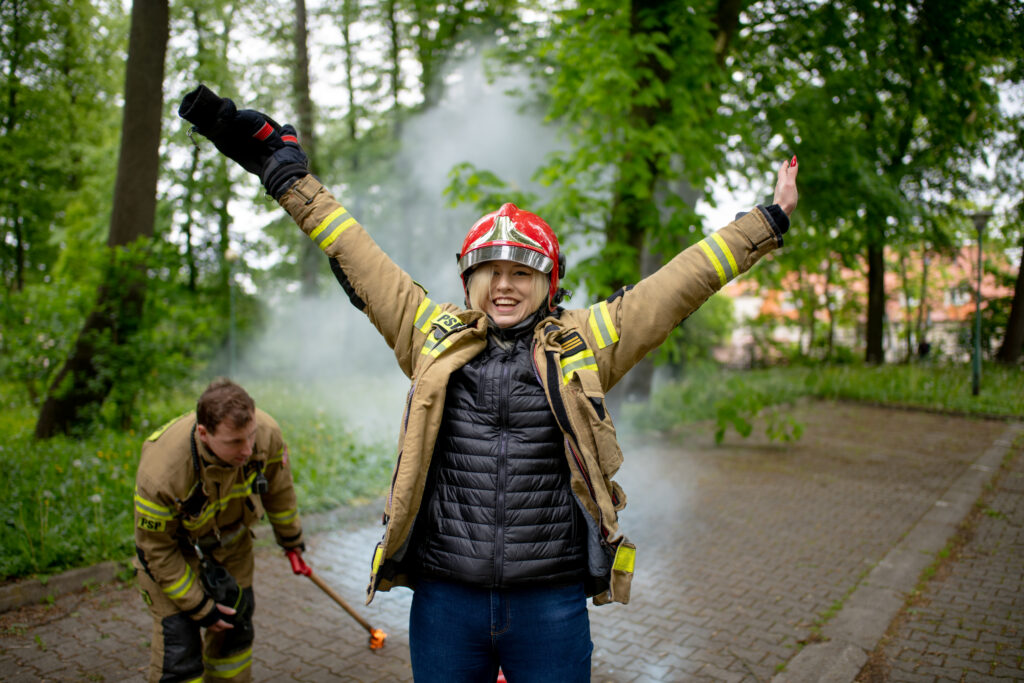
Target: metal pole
980	219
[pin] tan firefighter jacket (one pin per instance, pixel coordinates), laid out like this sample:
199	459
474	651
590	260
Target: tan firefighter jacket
578	357
175	508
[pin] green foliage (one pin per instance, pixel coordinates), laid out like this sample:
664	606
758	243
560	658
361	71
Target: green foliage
741	399
730	398
745	403
695	339
68	502
37	327
62	66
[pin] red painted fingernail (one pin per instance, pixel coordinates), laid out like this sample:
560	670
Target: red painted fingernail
793	162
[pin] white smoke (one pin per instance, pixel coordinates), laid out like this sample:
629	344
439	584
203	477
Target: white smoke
330	348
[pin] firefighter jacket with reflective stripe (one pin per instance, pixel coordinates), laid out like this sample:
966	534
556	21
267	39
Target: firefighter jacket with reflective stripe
175	509
498	511
578	356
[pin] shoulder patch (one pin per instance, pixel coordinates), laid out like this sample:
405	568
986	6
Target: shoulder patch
448	322
572	343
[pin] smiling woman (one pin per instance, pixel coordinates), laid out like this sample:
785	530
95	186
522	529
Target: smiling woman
506	291
503	492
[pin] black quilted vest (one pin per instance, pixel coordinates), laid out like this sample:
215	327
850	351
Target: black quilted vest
498	511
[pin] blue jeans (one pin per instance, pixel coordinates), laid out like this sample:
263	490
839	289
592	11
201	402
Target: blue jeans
462	634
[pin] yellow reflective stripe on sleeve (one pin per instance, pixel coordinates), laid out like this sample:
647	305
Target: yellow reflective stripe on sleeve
228	667
276	458
214	506
624	559
148	508
282	517
181	586
601	325
724	249
709	252
337	222
721	257
581	361
425	315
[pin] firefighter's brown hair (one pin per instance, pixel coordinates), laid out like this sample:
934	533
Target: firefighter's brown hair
224	401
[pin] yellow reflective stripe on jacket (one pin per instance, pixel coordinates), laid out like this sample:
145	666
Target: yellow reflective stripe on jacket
378	555
163	428
601	325
625	558
425	315
181	586
283	517
148	508
228	667
721	257
276	458
583	360
435	347
237	491
337	222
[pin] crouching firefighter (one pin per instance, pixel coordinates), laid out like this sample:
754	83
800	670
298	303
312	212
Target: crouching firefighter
204	480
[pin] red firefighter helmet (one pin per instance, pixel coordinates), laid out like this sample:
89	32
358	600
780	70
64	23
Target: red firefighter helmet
511	234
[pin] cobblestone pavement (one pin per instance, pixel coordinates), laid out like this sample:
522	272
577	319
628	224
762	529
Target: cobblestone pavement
743	549
967	623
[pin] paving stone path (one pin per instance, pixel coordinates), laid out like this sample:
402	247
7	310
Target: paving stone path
744	551
967	623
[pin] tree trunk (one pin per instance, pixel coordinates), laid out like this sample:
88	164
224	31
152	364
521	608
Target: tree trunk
907	313
350	14
1010	351
830	306
876	304
188	206
394	65
87	377
311	260
922	310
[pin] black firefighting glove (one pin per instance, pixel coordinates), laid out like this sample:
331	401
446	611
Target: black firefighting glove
250	138
222	587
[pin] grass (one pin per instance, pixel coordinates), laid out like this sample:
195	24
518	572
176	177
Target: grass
68	501
734	398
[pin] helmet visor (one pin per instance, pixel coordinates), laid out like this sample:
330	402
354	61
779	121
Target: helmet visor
506	252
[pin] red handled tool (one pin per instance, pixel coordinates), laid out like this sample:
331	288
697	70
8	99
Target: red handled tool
299	566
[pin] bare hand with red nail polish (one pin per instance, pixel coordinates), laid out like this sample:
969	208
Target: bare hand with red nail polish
785	187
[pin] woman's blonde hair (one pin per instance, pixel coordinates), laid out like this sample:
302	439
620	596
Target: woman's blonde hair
478	286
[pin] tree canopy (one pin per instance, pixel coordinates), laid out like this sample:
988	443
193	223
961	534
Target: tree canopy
660	110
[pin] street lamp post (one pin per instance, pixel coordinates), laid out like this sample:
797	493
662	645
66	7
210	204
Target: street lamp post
980	218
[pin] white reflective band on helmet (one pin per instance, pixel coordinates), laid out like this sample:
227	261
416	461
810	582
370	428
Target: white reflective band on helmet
506	252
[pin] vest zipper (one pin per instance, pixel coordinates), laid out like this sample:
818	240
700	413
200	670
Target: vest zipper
502	471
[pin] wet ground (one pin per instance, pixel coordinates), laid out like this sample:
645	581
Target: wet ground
745	551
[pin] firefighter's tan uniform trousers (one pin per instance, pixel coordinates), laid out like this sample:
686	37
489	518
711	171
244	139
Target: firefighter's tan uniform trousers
169	621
